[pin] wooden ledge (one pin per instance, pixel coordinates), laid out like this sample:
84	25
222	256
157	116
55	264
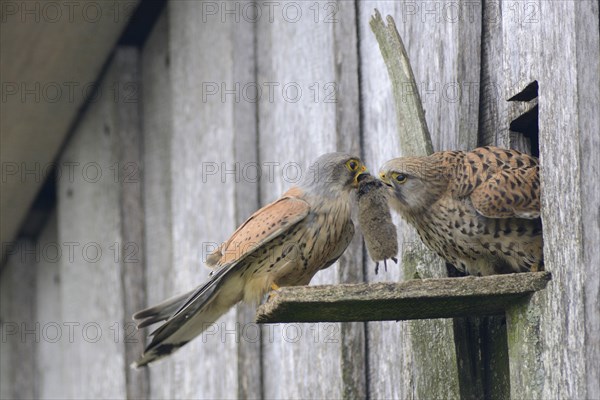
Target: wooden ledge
413	299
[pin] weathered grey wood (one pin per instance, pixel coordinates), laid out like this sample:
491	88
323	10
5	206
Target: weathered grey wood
410	116
511	38
352	335
163	166
553	338
245	114
19	332
292	133
569	125
50	359
525	348
587	26
127	148
157	114
90	224
428	35
59	37
412	299
202	205
508	41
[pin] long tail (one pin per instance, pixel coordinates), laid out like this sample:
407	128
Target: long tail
188	315
160	312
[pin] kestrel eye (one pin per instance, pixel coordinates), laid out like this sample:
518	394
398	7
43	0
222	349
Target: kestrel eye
400	178
352	165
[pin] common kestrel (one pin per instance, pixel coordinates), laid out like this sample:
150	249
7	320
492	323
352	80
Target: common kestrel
479	210
283	244
375	220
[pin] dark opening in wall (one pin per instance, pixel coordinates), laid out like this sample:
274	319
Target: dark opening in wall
528	123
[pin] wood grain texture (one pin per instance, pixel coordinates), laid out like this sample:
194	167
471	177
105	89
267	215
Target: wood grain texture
238	197
587	21
50	359
49	83
20	331
130	174
439	49
202	205
89	217
245	114
294	130
569	126
509	63
410	116
412	299
352	335
157	122
552	339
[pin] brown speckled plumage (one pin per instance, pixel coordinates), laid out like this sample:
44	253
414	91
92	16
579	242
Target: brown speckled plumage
479	210
284	243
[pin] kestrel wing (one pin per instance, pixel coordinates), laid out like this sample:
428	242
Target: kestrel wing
500	183
263	226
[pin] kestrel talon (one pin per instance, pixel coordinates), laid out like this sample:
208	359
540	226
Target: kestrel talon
478	210
283	244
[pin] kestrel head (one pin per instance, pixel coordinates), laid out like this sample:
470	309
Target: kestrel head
333	174
415	182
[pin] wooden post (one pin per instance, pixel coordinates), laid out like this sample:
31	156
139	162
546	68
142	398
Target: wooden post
454	121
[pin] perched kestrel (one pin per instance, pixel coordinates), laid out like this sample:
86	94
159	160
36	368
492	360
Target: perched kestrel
479	210
375	220
283	244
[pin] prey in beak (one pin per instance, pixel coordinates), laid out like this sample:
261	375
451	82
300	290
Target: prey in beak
362	171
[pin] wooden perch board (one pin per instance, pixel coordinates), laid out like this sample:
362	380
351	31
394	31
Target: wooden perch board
413	299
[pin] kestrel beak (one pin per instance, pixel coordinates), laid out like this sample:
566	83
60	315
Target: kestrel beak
361	171
383	177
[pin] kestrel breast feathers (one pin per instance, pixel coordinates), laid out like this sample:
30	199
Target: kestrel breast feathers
479	210
283	244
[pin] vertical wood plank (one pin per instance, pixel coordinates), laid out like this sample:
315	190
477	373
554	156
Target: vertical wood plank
587	25
157	122
20	333
205	55
441	46
127	149
203	207
211	141
569	93
309	360
50	361
553	339
511	39
245	114
350	270
89	222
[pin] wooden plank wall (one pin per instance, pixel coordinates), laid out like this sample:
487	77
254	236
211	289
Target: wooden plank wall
314	111
194	113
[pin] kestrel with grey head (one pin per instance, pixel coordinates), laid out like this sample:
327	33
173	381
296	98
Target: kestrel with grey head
283	244
479	210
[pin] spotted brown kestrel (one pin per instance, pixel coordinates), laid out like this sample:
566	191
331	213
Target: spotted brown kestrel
283	244
479	210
